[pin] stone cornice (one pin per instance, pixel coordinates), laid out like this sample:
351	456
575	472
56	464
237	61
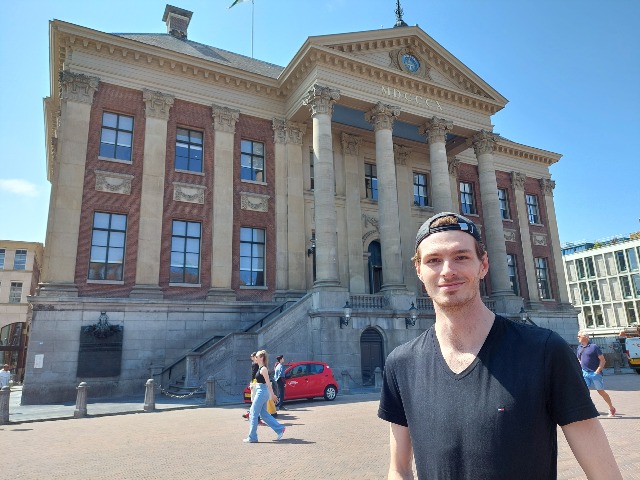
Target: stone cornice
515	150
382	116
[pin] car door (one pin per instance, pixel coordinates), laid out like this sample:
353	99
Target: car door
316	380
296	382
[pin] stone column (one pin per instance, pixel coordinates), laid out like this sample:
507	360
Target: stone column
404	180
453	164
436	131
518	181
158	105
224	124
59	266
351	153
320	101
483	145
382	117
290	234
547	187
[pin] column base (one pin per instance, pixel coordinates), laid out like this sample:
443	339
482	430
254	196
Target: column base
153	292
394	288
507	303
326	283
221	295
57	289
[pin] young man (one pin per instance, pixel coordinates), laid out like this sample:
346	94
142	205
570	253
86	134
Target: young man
479	396
278	376
5	375
592	362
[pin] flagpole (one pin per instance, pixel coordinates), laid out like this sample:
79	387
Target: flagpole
252	9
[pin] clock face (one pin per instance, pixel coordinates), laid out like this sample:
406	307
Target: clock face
411	63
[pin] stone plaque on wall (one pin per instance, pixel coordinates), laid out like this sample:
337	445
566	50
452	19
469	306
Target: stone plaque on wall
100	352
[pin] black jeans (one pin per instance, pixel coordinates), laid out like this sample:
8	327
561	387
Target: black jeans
280	384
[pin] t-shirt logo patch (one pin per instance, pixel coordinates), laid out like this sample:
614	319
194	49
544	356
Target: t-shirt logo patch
501	409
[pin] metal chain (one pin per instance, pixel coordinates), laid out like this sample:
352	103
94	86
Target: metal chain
358	383
168	394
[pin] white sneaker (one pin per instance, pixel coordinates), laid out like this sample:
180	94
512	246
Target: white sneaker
281	433
248	440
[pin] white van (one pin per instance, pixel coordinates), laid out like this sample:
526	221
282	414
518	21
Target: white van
632	347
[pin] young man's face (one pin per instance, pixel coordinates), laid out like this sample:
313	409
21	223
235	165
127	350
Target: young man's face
450	269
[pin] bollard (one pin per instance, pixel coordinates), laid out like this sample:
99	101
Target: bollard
210	400
345	382
149	396
378	379
81	401
4	405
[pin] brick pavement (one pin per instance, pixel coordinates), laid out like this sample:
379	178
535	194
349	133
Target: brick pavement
341	439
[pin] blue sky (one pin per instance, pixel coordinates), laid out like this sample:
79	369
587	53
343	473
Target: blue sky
569	69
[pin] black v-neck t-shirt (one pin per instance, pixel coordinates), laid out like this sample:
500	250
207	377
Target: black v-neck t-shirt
496	419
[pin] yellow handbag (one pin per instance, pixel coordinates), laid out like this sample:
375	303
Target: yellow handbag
271	407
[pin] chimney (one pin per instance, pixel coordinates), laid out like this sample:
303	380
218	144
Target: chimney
177	21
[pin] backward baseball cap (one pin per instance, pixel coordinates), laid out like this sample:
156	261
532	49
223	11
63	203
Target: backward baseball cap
463	224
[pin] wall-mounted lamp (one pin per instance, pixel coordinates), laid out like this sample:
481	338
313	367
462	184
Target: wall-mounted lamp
524	316
413	315
344	321
312	249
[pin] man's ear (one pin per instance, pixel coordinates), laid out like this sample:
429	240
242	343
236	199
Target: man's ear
484	265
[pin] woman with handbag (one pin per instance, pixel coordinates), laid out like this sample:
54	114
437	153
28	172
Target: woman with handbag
263	392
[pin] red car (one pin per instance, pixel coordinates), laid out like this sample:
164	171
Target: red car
306	380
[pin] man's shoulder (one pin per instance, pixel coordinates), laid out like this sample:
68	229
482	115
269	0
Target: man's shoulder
412	348
526	333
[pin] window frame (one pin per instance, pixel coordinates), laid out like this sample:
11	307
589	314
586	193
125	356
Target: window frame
512	269
3	253
419	199
13	288
110	231
467	195
21	257
542	278
190	145
503	203
257	276
371	181
118	132
533	209
184	252
254	160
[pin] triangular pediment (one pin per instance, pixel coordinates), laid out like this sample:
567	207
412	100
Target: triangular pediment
411	52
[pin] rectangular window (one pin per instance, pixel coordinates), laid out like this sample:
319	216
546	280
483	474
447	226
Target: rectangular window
593	290
15	293
503	200
252	251
580	268
584	293
626	286
621	261
597	312
188	150
635	279
633	260
311	172
542	275
420	190
252	161
467	199
185	252
371	181
2	253
532	209
116	137
631	313
512	267
20	261
107	246
591	269
588	316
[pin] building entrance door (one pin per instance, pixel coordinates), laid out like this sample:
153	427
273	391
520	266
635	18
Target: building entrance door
371	354
375	267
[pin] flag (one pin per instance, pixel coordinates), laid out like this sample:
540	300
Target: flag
238	1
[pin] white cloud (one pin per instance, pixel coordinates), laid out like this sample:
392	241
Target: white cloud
19	187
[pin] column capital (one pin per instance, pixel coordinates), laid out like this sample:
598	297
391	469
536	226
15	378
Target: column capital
320	99
401	154
382	116
453	164
78	87
484	142
157	104
517	180
435	129
547	185
350	144
287	132
224	118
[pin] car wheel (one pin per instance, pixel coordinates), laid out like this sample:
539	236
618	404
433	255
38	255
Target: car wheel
330	393
638	371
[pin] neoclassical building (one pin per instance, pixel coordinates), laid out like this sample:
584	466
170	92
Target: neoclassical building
205	204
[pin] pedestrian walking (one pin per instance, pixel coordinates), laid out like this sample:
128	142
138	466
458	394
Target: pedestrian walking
477	395
278	376
263	393
592	362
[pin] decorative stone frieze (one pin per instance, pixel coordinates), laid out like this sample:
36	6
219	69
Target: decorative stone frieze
401	154
510	235
350	144
186	192
113	182
547	185
453	164
288	132
78	87
158	104
382	116
518	180
254	202
367	220
435	129
539	239
320	99
484	142
224	118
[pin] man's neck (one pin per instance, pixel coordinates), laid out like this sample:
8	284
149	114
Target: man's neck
463	329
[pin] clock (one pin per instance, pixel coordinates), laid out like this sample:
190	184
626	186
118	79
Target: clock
411	63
